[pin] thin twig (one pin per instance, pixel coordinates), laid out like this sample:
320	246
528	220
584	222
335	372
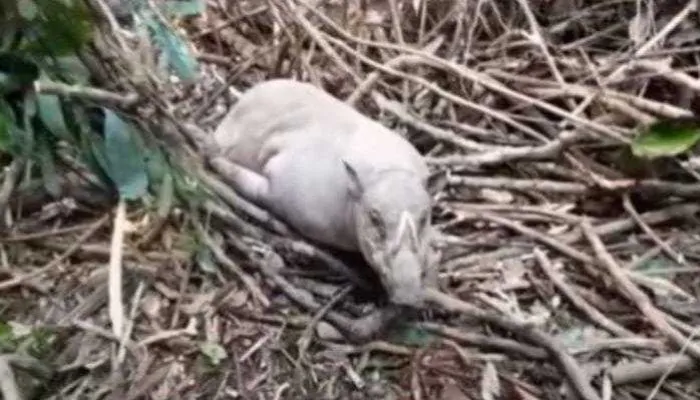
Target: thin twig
629	207
18	280
577	377
84	92
636	296
596	316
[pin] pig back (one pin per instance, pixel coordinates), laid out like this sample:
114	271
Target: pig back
281	114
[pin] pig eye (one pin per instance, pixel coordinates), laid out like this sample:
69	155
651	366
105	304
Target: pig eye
423	220
377	222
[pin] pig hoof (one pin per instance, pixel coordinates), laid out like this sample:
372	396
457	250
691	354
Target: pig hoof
374	324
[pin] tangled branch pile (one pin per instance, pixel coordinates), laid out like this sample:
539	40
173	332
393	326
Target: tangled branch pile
575	260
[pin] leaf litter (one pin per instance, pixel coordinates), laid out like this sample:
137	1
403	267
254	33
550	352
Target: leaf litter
529	107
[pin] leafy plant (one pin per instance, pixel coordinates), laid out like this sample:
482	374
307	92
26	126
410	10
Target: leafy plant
176	55
43	41
213	353
667	138
16	337
125	165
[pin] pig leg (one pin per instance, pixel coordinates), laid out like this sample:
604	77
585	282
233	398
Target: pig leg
249	184
432	267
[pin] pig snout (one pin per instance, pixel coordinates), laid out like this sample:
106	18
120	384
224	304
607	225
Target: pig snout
404	283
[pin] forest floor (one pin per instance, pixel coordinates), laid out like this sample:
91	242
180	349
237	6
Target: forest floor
571	270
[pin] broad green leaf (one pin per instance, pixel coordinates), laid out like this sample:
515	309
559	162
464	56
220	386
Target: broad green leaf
187	188
573	336
27	140
51	114
667	138
89	143
27	9
72	69
8	341
7	111
5	138
5	329
13	138
41	341
183	8
96	158
21	141
9	29
177	54
59	29
411	335
659	265
47	165
214	352
166	195
16	72
126	165
20	330
158	167
205	260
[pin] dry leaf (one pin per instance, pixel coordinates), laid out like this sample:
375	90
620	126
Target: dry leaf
660	286
237	299
151	305
326	331
638	29
496	196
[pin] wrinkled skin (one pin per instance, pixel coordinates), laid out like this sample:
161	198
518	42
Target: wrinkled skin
333	175
393	216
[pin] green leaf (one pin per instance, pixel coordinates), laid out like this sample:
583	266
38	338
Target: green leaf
72	69
183	8
40	342
573	336
8	340
16	72
5	330
175	50
667	138
166	196
21	141
187	188
89	143
27	9
214	352
125	161
51	115
14	138
97	158
411	335
659	265
205	260
9	30
60	28
27	140
157	165
5	137
47	165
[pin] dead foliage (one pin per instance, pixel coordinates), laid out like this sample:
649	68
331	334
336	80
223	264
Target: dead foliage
567	271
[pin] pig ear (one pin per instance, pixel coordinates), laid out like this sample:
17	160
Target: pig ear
436	182
355	188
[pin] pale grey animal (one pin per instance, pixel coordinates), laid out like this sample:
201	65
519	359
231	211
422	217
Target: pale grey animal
335	176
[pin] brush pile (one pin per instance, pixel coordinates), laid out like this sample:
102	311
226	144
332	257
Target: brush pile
570	266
